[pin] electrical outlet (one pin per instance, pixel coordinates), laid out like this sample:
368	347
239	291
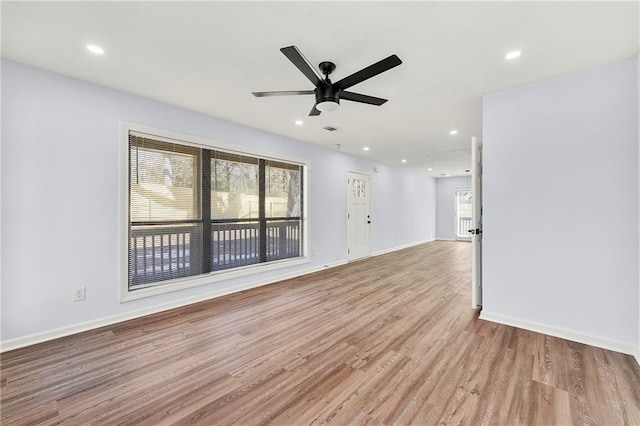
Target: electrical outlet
79	294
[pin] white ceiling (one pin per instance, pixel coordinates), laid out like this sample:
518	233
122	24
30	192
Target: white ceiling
209	57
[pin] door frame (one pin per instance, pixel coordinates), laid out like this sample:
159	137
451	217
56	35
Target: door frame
476	236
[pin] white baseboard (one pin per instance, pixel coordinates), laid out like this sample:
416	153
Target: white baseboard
563	333
32	339
396	248
445	239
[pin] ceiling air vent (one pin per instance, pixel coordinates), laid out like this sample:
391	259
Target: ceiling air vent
330	128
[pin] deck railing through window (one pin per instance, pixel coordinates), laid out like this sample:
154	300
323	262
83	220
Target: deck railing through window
283	239
234	244
464	225
159	253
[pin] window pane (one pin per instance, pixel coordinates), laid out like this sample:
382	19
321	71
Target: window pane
464	203
163	185
282	190
234	189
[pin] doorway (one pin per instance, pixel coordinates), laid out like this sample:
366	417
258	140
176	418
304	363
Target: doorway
463	217
358	216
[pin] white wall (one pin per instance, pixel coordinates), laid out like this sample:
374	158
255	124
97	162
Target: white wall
446	205
61	193
560	248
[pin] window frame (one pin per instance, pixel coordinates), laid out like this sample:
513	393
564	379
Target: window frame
125	294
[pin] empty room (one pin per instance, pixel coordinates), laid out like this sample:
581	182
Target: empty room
304	212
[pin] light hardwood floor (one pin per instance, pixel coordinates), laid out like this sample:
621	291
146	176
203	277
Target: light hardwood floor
387	340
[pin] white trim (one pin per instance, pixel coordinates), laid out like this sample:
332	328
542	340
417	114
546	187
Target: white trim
402	247
445	239
125	294
123	288
32	339
200	142
562	333
198	280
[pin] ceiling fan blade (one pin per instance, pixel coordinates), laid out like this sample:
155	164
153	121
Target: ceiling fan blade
314	111
368	72
302	64
365	99
283	93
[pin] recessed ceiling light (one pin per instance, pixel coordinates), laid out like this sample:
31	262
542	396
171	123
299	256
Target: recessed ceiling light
95	49
513	55
430	169
448	175
453	132
404	160
299	123
365	148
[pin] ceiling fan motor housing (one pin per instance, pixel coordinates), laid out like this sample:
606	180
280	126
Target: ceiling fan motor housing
327	93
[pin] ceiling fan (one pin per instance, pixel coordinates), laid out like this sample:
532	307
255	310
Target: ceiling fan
328	94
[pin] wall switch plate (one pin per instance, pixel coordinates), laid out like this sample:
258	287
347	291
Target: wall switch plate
79	294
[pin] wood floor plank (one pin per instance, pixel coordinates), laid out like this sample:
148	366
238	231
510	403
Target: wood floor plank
551	366
389	340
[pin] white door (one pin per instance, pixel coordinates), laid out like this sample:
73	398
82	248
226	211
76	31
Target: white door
463	218
476	231
358	219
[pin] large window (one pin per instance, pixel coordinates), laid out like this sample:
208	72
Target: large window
195	211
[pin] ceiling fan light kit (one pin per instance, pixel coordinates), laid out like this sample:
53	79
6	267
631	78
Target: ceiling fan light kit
327	105
328	94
